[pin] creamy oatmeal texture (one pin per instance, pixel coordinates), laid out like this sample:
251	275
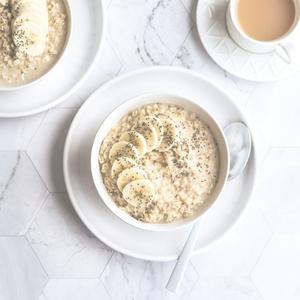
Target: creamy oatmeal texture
183	174
32	37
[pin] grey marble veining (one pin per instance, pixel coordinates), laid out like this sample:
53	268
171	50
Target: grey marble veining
21	192
64	246
144	280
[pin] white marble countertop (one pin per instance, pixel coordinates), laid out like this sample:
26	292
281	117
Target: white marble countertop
45	251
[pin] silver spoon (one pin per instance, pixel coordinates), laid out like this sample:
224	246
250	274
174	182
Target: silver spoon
239	143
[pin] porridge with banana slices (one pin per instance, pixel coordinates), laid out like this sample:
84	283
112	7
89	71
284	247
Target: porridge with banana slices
32	36
159	163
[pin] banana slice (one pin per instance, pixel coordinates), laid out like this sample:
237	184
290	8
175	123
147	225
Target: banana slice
29	37
35	17
139	191
136	139
34	10
120	164
123	148
149	133
159	129
18	6
24	2
129	175
170	134
30	25
37	47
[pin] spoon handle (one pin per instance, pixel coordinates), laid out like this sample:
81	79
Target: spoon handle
183	260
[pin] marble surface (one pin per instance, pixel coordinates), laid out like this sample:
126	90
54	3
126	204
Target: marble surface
45	251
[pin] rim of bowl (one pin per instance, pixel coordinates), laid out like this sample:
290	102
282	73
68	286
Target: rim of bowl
98	179
61	55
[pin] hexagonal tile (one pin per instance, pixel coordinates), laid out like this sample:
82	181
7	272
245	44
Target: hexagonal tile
283	222
65	247
16	133
21	274
191	6
75	289
107	2
261	119
123	272
191	54
21	192
146	38
240	249
137	279
287	134
42	297
225	288
280	204
156	277
106	68
278	271
46	147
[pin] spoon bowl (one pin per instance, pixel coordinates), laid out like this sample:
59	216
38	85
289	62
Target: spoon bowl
239	142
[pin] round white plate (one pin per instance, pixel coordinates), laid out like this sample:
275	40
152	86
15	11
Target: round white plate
211	24
158	246
67	75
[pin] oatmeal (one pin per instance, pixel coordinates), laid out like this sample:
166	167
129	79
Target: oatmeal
160	163
32	37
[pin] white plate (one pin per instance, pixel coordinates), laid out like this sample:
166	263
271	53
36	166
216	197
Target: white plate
158	246
211	24
67	75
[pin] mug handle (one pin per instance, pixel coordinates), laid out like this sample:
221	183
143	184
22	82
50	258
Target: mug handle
284	52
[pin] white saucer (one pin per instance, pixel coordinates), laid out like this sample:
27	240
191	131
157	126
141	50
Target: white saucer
158	246
211	24
66	77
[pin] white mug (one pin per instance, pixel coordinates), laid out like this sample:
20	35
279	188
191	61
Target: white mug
283	46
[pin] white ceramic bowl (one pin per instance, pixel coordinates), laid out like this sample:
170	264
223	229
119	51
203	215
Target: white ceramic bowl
115	116
44	76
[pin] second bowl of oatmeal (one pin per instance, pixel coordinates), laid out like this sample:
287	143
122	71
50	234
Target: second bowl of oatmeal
159	161
33	39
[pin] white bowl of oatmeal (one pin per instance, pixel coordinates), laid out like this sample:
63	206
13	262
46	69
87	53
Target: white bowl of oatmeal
33	39
159	161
